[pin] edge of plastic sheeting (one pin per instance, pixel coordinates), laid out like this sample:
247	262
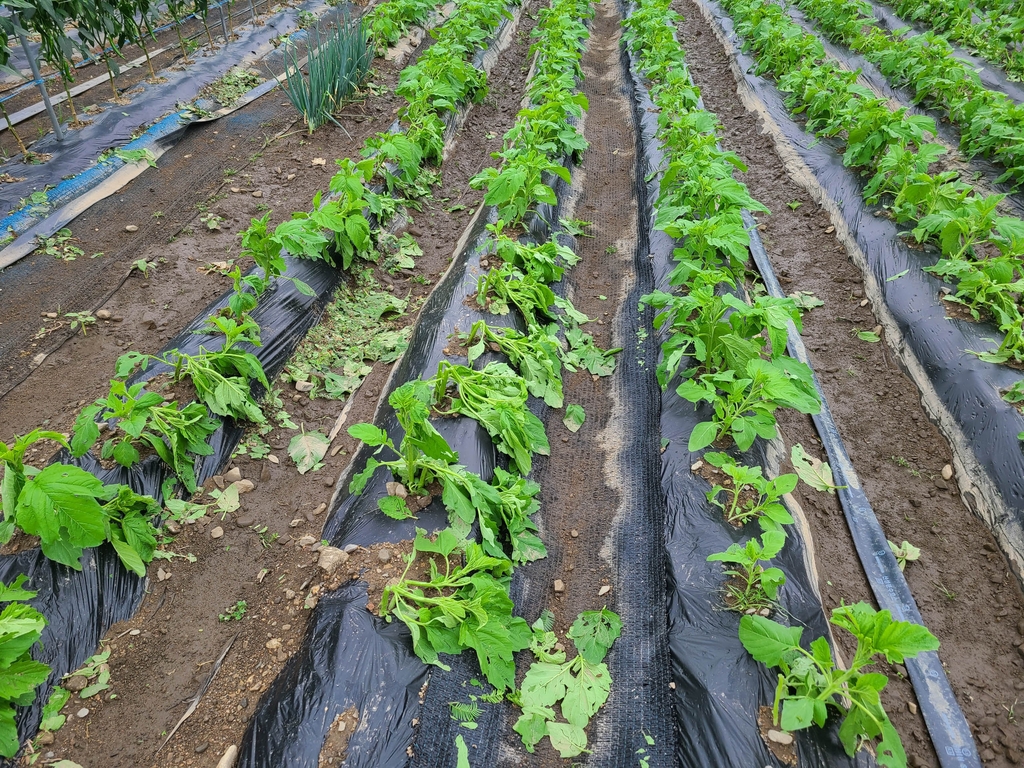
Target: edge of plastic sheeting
960	393
719	687
992	75
119	122
81	606
947	133
947	726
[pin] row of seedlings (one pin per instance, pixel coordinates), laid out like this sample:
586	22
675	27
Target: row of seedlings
990	123
466	605
404	161
983	250
991	28
725	351
70	509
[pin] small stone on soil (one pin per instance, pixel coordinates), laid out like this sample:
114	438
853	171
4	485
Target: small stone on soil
306	541
397	489
947	472
202	747
303	386
273	459
780	737
330	558
83	713
135	632
604	590
295	523
321	508
258	193
233	475
131	228
245	521
574	533
75	683
384	555
559	585
103	314
216	533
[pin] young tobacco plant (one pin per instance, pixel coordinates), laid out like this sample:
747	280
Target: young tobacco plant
176	434
20	629
745	404
535	355
811	684
496	398
753	587
579	686
70	509
751	495
222	378
460	607
503	509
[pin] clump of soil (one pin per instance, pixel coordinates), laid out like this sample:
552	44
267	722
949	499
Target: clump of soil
781	744
335	748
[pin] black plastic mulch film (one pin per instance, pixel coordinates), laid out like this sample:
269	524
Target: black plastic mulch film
351	658
80	606
719	687
960	392
118	124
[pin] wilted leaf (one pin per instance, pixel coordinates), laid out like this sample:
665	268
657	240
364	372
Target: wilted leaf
307	449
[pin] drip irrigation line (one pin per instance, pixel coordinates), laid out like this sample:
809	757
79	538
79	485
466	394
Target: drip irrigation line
947	726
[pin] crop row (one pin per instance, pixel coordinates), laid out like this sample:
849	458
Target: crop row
994	30
982	248
467	607
991	124
69	508
730	353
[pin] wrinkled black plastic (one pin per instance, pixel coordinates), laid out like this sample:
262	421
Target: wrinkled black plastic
118	124
81	606
960	392
992	77
719	687
947	132
359	660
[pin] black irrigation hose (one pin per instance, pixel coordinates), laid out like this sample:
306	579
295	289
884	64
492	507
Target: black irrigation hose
951	735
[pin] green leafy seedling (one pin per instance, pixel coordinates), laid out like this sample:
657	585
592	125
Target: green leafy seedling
811	684
753	587
235	612
905	553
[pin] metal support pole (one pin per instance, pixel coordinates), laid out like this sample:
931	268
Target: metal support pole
223	23
42	86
